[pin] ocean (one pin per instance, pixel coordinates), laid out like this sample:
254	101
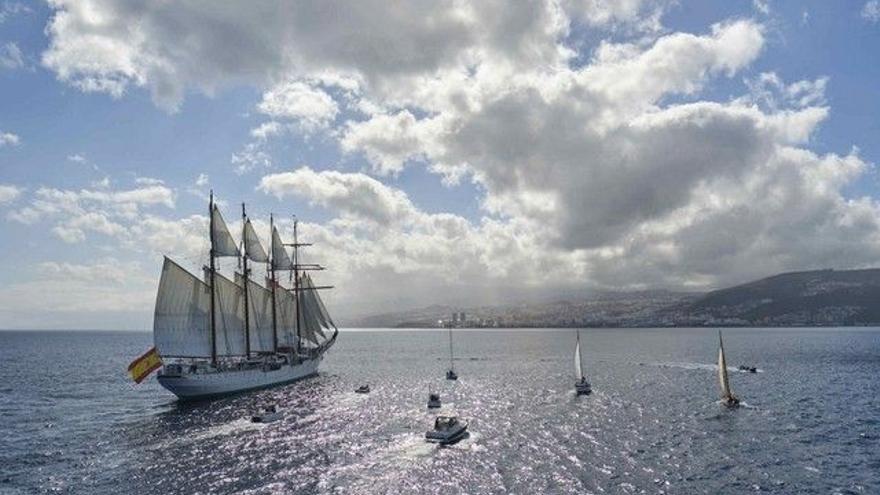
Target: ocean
73	422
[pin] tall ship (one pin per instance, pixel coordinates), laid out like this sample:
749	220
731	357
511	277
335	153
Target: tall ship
220	335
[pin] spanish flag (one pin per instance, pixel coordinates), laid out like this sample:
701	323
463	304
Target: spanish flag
141	367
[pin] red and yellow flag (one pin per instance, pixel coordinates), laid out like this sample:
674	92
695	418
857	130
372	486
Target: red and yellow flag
147	363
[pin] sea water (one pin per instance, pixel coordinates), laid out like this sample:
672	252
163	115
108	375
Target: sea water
71	421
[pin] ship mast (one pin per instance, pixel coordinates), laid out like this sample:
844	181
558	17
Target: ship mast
213	297
244	261
296	287
274	284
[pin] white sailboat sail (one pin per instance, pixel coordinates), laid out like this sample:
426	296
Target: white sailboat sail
724	382
286	317
259	315
181	322
315	318
280	259
224	244
253	249
578	365
229	317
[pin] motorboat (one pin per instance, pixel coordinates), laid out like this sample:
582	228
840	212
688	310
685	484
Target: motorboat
447	430
451	375
748	369
433	401
363	389
582	387
267	415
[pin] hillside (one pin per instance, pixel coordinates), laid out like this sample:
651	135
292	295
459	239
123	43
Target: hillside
810	298
821	297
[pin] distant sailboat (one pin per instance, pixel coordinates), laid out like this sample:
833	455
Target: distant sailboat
727	397
582	386
451	375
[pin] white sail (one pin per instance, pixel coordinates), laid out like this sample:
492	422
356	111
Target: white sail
182	322
316	306
224	244
722	370
229	317
311	319
259	315
286	317
252	247
280	258
578	366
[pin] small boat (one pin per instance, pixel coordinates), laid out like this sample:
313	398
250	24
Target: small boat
727	397
582	386
268	415
433	401
447	430
748	369
451	375
363	389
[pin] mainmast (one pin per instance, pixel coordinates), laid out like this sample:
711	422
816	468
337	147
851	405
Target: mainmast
244	262
213	297
274	284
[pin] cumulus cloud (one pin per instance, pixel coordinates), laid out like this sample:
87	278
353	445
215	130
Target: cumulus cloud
311	107
9	139
9	193
11	56
76	213
598	163
871	11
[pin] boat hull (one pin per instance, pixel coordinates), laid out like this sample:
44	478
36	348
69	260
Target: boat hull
200	386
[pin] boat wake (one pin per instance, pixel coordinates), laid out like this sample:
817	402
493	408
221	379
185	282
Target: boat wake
698	366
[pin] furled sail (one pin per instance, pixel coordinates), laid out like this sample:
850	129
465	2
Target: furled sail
722	370
224	244
280	258
578	365
259	315
181	322
252	247
229	319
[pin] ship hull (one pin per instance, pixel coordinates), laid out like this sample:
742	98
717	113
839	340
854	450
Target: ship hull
201	386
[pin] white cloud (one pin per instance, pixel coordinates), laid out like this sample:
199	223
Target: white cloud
762	6
250	157
10	9
10	56
9	193
202	180
265	130
148	181
596	163
9	139
871	11
76	213
77	158
310	106
353	194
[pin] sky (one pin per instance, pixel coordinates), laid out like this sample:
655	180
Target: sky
453	152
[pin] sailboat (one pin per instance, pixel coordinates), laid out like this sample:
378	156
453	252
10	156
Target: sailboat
451	375
582	386
727	397
223	335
